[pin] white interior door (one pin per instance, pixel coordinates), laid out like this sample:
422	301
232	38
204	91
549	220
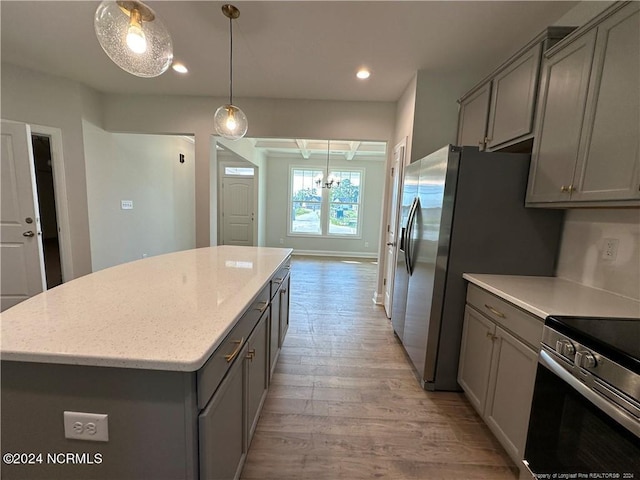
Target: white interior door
237	211
21	256
392	226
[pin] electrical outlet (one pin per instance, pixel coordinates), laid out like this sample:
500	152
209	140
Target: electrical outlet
282	241
366	244
126	204
93	427
610	248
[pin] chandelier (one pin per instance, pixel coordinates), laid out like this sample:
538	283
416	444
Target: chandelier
330	180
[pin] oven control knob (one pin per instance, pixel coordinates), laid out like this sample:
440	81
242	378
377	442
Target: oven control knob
585	359
565	347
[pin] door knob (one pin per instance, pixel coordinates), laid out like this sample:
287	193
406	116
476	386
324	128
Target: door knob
391	244
28	234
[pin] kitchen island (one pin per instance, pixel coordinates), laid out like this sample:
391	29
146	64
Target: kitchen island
176	350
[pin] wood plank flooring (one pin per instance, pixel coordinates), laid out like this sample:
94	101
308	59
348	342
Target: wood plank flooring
344	402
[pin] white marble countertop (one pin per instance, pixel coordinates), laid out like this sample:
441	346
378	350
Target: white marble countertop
544	296
168	312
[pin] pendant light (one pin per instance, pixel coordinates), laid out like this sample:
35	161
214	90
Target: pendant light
133	36
230	122
330	181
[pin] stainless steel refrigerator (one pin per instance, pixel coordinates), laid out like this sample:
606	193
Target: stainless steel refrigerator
462	211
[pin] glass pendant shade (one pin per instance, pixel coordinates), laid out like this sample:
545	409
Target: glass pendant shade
230	122
133	36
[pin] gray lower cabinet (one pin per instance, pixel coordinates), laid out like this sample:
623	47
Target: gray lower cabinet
228	422
279	318
284	309
587	149
513	374
257	360
498	363
475	357
223	447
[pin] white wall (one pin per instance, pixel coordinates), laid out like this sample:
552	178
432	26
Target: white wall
40	99
277	214
146	170
275	118
583	238
436	110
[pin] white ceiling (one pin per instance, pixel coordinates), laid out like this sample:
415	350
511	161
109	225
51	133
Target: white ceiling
289	49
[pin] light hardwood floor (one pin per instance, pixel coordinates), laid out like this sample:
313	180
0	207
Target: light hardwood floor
344	402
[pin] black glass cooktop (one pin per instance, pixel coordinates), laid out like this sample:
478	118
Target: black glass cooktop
616	338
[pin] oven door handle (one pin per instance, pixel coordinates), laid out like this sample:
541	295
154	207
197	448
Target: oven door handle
599	401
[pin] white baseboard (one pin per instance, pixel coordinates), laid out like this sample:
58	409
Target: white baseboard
328	253
378	298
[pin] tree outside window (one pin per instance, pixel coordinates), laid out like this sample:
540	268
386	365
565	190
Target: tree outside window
325	212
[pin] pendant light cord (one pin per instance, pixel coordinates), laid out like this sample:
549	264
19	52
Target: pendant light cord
328	153
230	61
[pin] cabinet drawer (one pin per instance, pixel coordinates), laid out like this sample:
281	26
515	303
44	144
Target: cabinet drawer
523	325
279	277
212	373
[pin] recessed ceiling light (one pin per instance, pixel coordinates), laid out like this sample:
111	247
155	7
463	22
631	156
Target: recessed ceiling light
363	73
180	68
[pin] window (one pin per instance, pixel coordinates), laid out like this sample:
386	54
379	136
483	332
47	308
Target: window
239	171
325	212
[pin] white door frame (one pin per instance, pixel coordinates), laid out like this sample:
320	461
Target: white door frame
60	187
399	151
221	176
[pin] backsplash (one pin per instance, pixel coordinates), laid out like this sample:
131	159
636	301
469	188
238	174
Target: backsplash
584	241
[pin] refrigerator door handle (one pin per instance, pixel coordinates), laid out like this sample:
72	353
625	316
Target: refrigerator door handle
410	225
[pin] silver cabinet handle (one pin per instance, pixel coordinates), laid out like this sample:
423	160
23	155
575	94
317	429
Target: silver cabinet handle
28	233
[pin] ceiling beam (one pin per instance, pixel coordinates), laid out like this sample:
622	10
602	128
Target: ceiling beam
353	148
304	151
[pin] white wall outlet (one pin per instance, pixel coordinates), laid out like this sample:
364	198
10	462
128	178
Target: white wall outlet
366	244
126	204
610	248
282	241
86	426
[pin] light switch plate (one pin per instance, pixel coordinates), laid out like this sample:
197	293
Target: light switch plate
93	427
126	204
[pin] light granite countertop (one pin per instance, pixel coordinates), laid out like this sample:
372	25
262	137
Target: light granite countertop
544	296
168	312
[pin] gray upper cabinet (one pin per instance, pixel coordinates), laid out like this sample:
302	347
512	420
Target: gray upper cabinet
513	97
474	113
586	150
565	79
499	112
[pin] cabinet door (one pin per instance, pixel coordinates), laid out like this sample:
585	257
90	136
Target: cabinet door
475	357
257	359
513	373
222	427
472	121
274	331
609	163
565	79
284	308
513	99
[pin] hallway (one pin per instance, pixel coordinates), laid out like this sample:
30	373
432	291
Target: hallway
344	402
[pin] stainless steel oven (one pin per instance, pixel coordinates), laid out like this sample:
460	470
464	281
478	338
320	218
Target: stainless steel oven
585	414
